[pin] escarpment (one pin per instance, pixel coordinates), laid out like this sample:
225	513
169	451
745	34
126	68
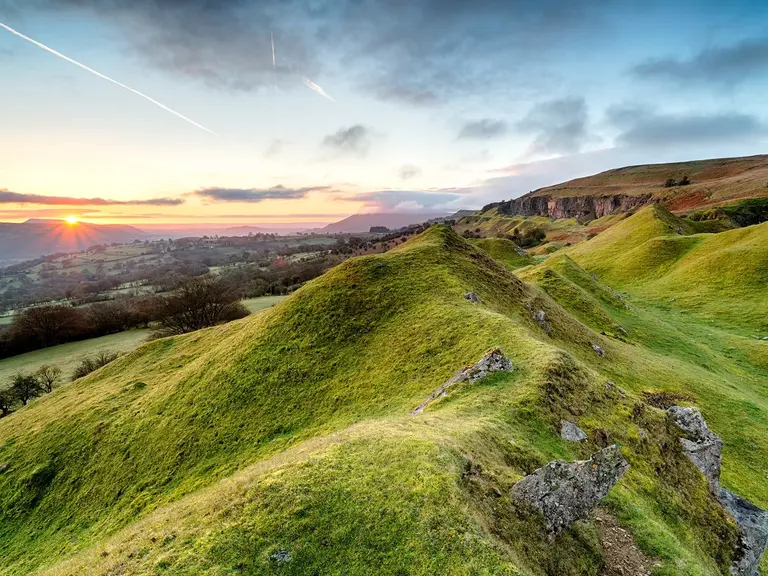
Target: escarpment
581	207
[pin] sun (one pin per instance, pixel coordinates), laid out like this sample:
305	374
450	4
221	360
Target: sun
71	220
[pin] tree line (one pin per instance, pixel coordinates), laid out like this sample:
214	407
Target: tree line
195	303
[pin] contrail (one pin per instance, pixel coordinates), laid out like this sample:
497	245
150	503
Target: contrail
312	86
107	78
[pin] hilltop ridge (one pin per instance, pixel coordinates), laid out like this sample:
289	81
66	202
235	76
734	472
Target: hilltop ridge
713	183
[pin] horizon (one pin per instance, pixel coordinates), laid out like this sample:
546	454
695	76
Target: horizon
307	113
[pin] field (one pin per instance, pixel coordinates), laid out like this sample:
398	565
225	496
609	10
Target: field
282	443
67	356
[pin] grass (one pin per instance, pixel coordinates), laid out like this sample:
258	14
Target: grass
287	434
67	356
261	303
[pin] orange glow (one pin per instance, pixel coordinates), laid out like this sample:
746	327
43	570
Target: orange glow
71	220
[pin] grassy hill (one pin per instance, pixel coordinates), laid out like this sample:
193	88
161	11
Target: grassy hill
713	182
282	443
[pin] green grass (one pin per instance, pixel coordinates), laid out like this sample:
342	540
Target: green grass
263	302
503	250
67	356
289	431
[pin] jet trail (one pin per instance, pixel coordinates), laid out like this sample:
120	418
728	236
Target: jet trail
312	86
107	78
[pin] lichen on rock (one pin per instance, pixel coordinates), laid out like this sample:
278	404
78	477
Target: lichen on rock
568	491
569	431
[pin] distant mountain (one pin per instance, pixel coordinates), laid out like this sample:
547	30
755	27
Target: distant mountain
37	237
358	223
681	187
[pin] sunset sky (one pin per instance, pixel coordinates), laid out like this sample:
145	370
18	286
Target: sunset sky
439	104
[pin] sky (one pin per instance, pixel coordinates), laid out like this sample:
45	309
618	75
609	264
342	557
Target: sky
367	105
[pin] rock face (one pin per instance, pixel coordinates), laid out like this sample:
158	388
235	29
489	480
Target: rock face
581	207
704	449
493	361
568	491
569	431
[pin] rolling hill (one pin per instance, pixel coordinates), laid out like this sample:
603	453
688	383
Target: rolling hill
285	444
358	223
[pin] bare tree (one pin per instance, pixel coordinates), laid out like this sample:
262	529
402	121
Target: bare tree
48	376
199	303
48	325
25	387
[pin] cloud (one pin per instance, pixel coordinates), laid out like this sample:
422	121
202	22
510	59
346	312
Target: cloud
484	129
353	141
420	53
406	200
409	171
8	197
256	194
725	65
560	126
641	127
275	148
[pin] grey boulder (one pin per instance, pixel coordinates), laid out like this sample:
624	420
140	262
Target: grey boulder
569	431
568	491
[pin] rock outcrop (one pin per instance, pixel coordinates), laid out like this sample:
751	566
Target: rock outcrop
473	297
568	491
541	319
569	431
584	208
493	361
598	350
704	448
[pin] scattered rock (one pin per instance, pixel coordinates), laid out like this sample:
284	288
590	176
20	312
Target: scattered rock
679	231
473	297
594	276
281	556
541	320
3	467
621	330
598	350
704	449
569	431
493	361
520	251
568	491
765	337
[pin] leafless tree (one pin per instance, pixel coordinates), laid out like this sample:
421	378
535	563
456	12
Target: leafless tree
48	376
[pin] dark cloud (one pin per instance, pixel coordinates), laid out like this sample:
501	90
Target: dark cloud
484	129
8	197
255	194
409	171
355	140
641	127
723	66
419	52
560	126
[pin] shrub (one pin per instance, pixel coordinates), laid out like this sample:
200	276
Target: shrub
88	365
7	401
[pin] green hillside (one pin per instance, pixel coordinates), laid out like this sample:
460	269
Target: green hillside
504	250
656	255
282	443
